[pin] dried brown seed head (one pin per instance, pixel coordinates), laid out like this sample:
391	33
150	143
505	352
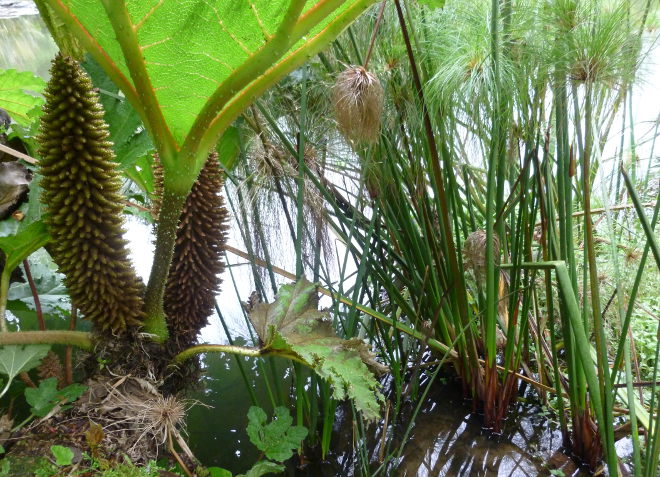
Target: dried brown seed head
357	98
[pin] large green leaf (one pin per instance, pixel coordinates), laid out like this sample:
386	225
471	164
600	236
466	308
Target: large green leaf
293	325
200	62
19	94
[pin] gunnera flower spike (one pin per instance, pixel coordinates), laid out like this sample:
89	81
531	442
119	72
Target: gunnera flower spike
81	191
193	280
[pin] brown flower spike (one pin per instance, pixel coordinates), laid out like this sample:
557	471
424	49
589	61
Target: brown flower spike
81	191
194	280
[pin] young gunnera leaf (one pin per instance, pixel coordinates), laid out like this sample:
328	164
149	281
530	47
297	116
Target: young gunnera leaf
15	359
45	397
278	438
294	326
63	455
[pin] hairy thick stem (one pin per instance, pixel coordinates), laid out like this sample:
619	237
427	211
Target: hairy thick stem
79	339
168	220
211	348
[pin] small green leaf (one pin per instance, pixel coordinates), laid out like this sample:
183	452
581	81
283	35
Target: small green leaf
44	398
262	468
278	438
18	247
2	449
218	472
63	455
15	359
18	94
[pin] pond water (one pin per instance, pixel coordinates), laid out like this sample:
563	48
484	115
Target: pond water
446	440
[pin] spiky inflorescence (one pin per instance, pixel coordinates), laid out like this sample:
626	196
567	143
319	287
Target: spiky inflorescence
357	98
81	193
51	367
193	278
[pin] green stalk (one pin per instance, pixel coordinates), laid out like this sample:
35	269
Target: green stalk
79	339
650	236
239	363
599	330
216	348
633	296
168	221
583	348
300	197
637	460
126	35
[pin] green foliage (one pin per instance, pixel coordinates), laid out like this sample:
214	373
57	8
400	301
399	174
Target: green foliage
278	438
20	246
63	455
43	467
218	472
432	3
15	359
53	296
294	326
45	397
241	37
17	95
228	148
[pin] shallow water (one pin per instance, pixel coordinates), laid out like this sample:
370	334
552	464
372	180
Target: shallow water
446	439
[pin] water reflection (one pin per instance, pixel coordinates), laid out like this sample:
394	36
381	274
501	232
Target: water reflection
447	440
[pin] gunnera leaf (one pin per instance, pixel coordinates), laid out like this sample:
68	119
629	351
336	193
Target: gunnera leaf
294	326
193	279
83	203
